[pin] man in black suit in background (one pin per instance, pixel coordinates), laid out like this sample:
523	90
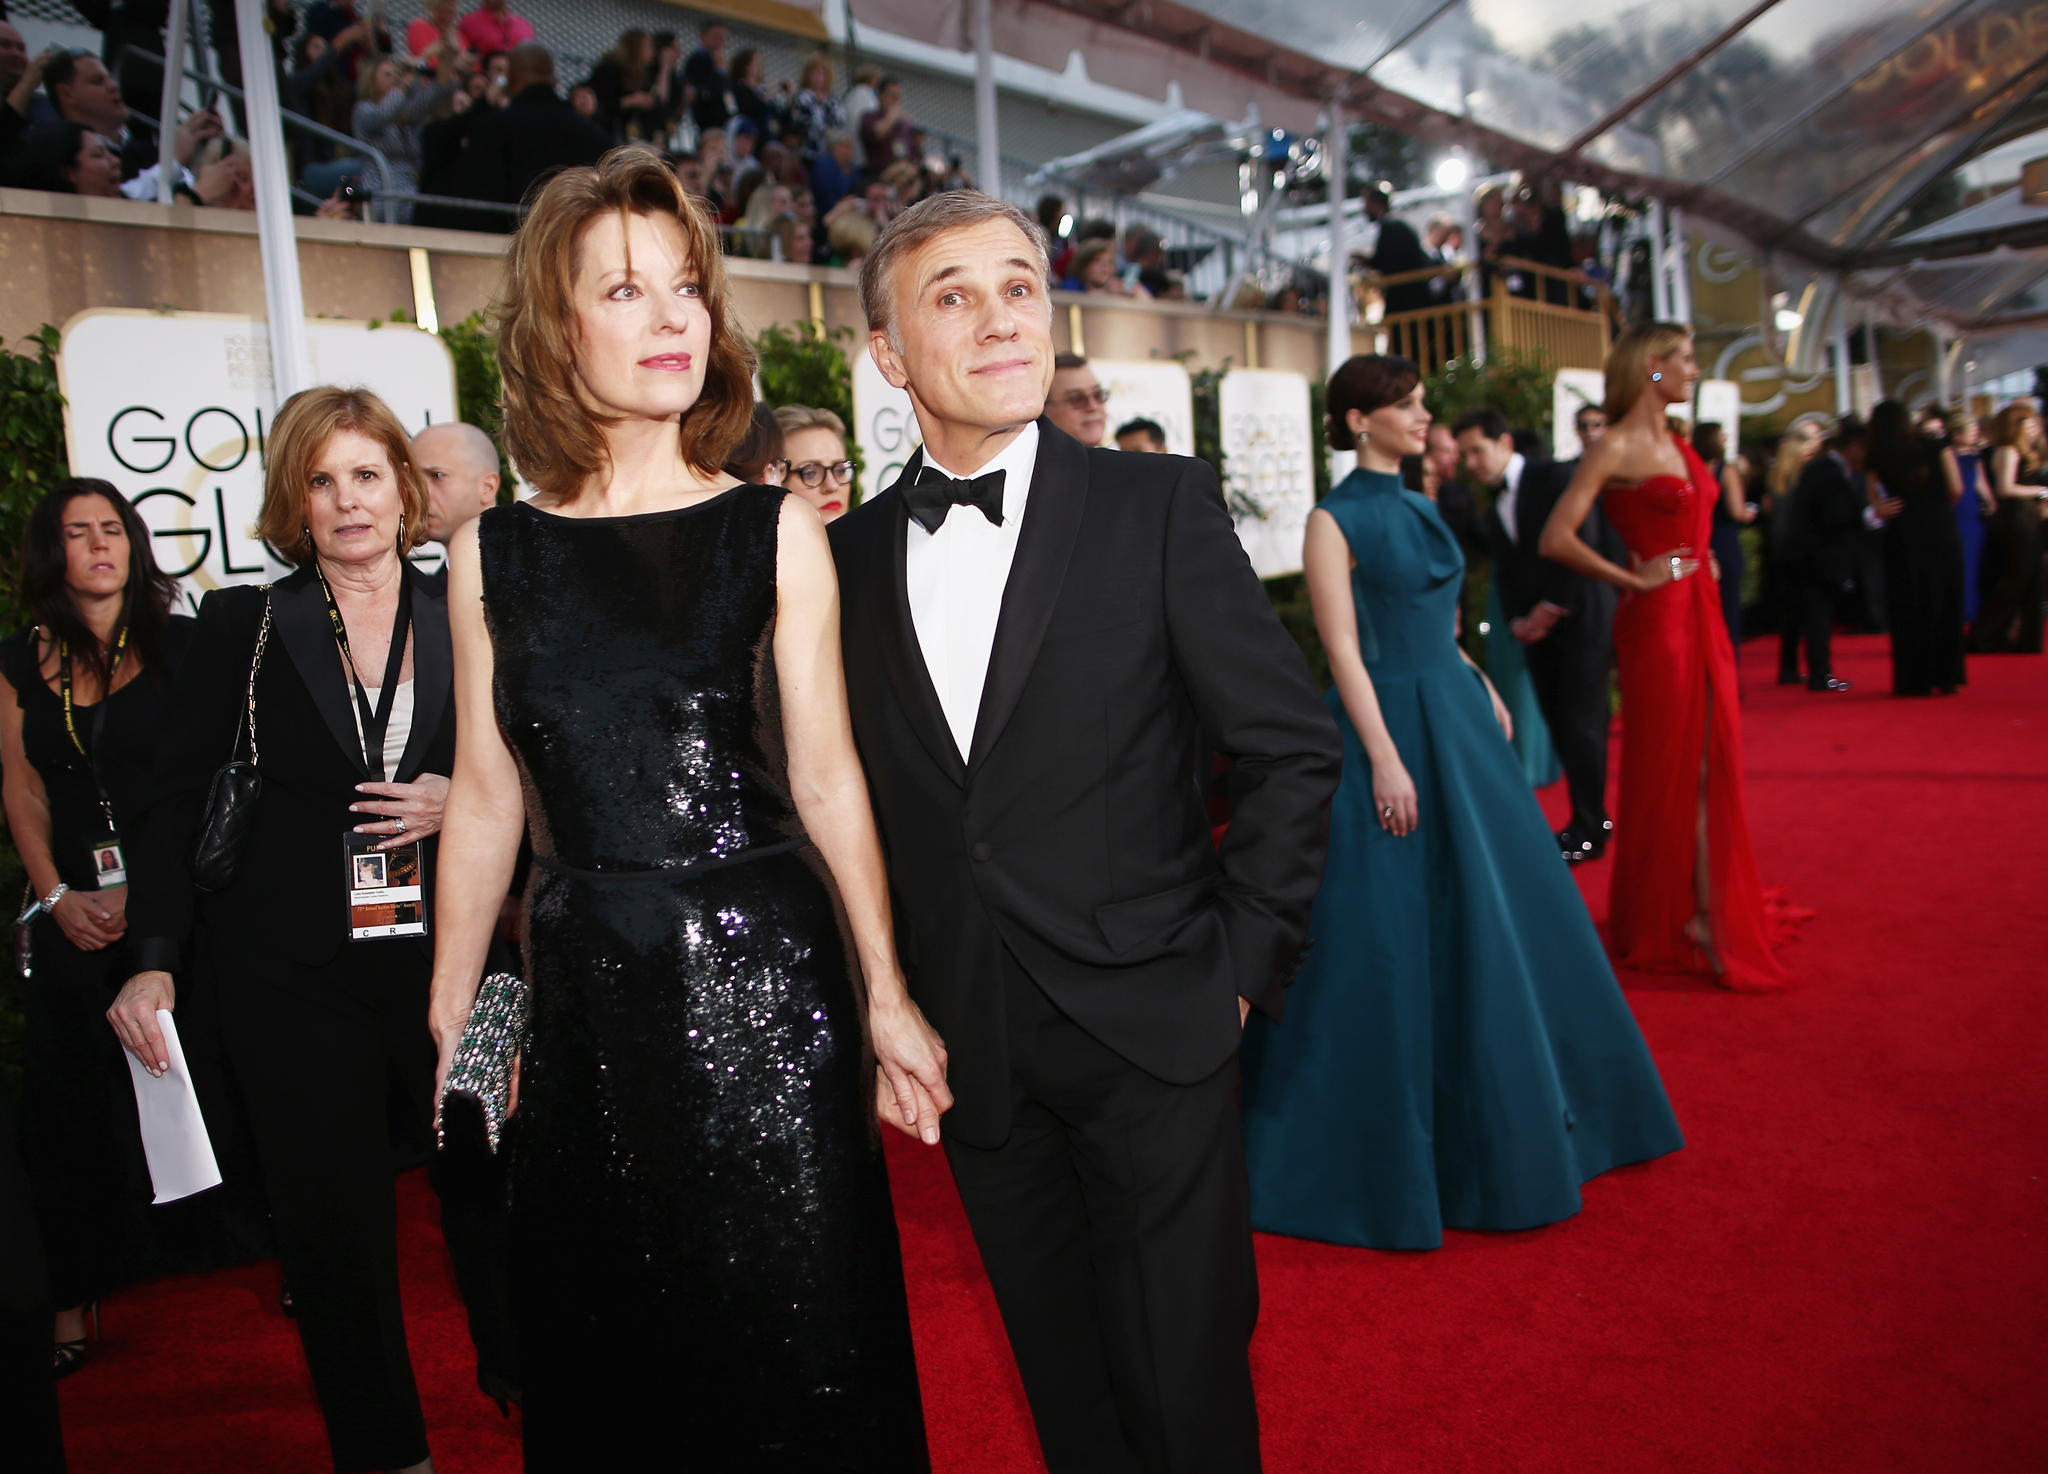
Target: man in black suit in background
1816	547
1041	640
1564	622
535	135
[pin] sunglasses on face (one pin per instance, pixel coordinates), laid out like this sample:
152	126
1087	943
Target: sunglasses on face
813	473
1081	399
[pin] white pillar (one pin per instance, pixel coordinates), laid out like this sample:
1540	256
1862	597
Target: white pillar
175	27
1342	462
1877	372
1660	280
987	140
291	365
1680	259
1942	387
1845	399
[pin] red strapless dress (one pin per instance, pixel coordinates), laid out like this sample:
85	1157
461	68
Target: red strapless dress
1678	691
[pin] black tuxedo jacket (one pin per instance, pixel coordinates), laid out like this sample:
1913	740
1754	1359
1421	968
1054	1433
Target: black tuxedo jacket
1591	601
1826	510
1133	639
288	897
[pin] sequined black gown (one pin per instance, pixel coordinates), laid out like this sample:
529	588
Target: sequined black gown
705	1271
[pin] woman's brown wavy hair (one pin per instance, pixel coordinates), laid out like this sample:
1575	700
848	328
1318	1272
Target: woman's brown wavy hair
552	431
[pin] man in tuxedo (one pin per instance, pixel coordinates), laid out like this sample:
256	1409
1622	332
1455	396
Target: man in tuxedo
1565	622
1816	544
1041	640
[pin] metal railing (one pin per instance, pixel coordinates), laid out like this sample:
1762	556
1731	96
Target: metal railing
379	198
1543	316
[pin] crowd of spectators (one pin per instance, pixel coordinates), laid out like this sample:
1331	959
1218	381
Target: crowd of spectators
470	107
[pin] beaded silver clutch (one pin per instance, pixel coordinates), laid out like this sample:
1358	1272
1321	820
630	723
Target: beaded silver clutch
491	1042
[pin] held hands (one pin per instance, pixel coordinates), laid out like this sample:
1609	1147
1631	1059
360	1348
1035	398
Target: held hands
1889	507
910	1069
87	919
418	804
1654	573
134	1018
1537	623
1393	796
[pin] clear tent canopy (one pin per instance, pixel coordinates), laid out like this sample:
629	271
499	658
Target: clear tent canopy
1807	127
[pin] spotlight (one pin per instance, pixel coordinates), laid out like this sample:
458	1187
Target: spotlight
1788	320
1452	173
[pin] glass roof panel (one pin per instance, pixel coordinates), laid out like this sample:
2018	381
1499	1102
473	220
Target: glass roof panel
1862	157
1341	33
1752	93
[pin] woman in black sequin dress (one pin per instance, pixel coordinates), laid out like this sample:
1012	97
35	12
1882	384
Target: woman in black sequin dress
705	1271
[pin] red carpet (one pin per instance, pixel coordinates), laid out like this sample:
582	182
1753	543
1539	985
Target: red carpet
1844	1270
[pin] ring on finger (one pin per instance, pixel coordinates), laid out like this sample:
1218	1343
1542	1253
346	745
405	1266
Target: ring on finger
401	817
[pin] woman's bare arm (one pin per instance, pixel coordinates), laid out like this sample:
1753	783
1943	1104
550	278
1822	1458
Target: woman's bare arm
1561	543
1326	562
483	816
831	794
1951	475
27	801
2005	471
1734	497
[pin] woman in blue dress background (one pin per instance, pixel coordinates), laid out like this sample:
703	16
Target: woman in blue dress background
1456	1051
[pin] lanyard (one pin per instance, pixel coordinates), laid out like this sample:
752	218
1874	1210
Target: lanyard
99	714
374	722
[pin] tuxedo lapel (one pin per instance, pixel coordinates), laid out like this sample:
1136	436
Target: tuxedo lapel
1052	521
433	669
896	633
308	636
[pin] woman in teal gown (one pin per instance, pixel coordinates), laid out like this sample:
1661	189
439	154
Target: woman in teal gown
1456	1051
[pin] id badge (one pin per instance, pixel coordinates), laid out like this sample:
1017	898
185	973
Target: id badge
386	894
107	862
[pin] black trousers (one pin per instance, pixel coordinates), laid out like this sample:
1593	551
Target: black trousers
1569	669
1115	1225
338	1070
1809	617
28	1390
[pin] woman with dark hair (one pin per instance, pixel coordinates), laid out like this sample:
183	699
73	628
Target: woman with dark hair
648	676
1686	894
64	158
1915	485
757	460
336	682
2009	619
622	80
76	762
1456	1052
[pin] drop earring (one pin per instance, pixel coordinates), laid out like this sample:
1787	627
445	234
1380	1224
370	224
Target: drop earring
401	532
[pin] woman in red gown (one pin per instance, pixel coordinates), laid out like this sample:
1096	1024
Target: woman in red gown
1686	897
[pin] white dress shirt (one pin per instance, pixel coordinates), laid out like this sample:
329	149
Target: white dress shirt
956	577
1511	483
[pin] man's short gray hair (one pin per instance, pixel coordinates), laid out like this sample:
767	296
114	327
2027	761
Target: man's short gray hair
955	209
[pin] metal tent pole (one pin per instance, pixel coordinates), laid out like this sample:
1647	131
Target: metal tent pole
1334	146
175	26
291	365
1660	276
1844	390
1681	270
1342	462
988	143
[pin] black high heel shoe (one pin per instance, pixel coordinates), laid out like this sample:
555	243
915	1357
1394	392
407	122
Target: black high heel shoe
497	1389
67	1357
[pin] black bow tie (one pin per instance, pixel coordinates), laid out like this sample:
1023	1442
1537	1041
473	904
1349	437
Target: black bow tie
936	494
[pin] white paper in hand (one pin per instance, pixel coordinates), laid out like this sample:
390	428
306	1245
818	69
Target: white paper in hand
174	1135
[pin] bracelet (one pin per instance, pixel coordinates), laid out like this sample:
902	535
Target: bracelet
50	901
